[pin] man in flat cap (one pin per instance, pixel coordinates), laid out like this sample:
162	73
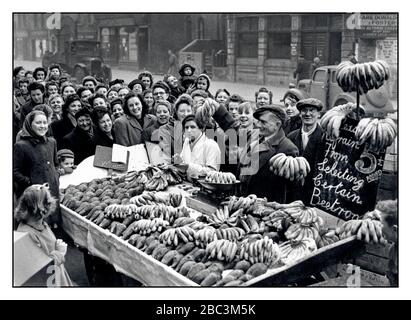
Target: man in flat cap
255	174
310	143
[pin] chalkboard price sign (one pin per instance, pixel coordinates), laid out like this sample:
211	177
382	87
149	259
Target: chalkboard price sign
346	179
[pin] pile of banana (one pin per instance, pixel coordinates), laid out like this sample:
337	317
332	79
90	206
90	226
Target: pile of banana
174	236
260	251
292	251
367	230
364	76
250	225
380	133
290	168
223	250
162	211
245	203
298	232
158	182
130	176
148	198
331	120
147	226
326	237
204	236
232	234
220	177
219	216
141	178
120	211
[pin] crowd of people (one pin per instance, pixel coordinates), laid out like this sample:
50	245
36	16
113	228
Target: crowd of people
58	124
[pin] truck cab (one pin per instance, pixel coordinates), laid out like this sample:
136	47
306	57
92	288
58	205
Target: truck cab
323	86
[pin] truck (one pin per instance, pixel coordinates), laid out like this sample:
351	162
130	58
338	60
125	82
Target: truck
324	87
80	58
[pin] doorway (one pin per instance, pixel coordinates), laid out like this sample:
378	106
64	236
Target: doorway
335	48
142	44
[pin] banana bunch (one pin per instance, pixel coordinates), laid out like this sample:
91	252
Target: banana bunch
120	211
204	236
162	211
232	234
158	182
260	251
220	177
290	168
293	208
151	170
146	226
250	225
245	203
331	120
177	235
141	178
364	76
175	199
148	198
276	219
367	230
326	237
292	251
183	221
299	232
309	217
379	132
223	250
198	225
130	176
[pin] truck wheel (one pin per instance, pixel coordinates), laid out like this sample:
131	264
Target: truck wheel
79	74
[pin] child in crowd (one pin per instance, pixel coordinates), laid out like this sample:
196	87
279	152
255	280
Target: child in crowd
34	206
65	158
187	75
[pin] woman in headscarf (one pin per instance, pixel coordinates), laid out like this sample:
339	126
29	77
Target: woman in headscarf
103	133
128	129
68	121
80	140
35	156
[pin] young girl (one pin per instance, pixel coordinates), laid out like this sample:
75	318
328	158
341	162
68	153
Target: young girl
34	206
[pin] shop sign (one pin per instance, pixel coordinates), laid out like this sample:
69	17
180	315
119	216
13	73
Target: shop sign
387	50
373	25
346	180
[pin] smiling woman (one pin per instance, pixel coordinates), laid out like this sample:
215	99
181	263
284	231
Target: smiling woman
35	156
103	135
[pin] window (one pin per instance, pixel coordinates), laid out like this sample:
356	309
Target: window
200	34
247	37
320	76
315	21
279	37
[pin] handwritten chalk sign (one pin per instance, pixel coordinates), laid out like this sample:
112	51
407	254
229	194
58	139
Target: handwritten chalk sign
346	179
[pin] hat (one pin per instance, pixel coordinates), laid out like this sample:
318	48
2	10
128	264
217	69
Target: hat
134	82
294	93
200	93
116	101
181	71
116	81
309	102
82	112
66	153
203	75
89	78
277	110
70	99
161	84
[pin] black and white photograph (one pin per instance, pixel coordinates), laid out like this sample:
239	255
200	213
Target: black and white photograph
205	150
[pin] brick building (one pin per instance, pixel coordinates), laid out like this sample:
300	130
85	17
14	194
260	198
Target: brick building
263	48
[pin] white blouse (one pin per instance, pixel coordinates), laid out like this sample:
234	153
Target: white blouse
204	156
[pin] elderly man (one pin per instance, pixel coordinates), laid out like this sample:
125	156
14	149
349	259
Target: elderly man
255	174
309	141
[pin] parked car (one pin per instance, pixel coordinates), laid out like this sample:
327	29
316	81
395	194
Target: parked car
80	58
323	86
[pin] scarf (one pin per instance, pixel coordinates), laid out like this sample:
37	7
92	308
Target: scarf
305	136
27	132
72	120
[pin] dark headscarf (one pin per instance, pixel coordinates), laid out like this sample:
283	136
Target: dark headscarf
27	132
